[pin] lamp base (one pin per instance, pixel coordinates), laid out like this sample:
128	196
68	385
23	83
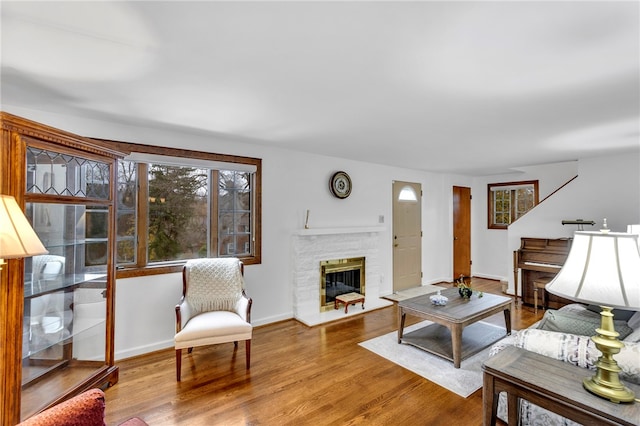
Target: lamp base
606	382
613	394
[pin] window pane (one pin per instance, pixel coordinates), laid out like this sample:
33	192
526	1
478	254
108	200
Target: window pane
96	227
510	200
127	214
234	215
525	200
178	213
126	251
178	221
502	207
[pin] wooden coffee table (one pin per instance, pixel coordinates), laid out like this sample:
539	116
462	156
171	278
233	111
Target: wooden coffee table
444	338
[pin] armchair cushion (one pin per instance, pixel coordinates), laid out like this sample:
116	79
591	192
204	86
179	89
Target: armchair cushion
212	328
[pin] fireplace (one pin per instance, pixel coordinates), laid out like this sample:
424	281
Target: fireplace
340	276
309	247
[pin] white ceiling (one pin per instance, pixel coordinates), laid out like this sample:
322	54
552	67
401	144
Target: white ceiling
465	87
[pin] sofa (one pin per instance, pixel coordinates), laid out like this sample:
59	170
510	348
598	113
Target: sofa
565	334
85	409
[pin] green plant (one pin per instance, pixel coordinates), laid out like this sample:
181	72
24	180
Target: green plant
464	289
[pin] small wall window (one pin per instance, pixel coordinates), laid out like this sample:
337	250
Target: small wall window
508	201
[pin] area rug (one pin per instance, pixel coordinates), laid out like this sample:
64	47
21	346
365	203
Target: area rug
413	292
463	381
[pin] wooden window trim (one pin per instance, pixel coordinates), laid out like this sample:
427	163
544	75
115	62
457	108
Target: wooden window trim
143	269
490	192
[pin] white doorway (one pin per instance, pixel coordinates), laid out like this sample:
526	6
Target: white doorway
407	235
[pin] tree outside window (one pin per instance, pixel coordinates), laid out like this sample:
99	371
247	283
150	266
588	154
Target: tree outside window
178	213
179	221
508	201
169	211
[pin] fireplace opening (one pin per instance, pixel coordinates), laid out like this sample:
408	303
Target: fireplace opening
340	276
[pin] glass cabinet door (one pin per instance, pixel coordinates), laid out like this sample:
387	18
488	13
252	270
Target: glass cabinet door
65	305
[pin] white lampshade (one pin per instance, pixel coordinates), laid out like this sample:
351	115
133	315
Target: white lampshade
17	237
602	268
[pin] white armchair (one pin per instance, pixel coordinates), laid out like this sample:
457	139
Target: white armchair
214	307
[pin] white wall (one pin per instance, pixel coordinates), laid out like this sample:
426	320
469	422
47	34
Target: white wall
294	182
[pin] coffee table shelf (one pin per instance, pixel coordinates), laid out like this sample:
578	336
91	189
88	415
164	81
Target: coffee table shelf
445	337
436	339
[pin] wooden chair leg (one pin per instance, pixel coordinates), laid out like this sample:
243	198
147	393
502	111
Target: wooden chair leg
247	350
178	363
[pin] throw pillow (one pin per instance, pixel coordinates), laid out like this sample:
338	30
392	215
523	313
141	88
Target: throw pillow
629	362
572	348
581	323
578	350
634	321
633	337
618	314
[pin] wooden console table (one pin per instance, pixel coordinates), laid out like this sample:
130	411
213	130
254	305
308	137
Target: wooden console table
551	384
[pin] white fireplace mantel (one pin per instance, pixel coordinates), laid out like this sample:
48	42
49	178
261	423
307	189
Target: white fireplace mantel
337	231
311	246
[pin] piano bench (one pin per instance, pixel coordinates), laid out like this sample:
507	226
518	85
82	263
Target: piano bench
539	284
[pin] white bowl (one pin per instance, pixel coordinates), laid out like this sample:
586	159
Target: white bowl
439	300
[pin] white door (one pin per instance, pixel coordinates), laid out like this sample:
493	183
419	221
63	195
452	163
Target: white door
407	235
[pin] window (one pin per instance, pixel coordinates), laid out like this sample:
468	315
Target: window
181	205
178	210
509	201
407	193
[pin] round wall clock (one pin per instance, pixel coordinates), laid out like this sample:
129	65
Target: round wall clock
340	184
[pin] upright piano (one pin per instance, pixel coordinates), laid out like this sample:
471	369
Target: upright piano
540	259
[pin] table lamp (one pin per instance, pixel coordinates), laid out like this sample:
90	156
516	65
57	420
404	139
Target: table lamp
17	237
603	268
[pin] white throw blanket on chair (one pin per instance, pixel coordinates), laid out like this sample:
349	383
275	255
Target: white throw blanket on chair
214	285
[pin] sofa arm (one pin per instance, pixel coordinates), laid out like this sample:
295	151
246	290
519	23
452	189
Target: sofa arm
86	409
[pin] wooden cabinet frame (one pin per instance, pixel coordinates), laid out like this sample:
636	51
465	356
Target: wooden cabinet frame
17	133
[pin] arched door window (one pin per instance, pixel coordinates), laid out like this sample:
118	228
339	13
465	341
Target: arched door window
407	193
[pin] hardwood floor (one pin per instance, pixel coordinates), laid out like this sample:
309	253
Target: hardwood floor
299	376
